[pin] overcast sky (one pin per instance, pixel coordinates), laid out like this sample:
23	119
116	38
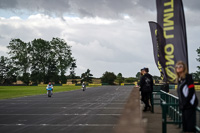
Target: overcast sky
105	35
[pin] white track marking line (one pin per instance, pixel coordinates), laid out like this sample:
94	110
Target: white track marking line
63	103
60	114
62	125
98	108
117	88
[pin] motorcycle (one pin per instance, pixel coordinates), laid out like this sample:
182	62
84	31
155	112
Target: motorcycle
84	87
49	91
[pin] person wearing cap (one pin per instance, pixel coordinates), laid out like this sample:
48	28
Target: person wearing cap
146	84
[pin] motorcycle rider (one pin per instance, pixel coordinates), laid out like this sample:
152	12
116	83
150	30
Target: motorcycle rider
83	86
50	86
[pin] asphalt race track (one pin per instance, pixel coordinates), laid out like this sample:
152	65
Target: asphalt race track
97	110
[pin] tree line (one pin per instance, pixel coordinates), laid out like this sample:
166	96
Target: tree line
37	61
196	75
43	61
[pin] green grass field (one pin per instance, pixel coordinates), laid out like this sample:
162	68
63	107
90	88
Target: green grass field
7	92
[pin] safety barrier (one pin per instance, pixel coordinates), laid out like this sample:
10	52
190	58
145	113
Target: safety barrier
95	84
171	114
197	87
68	84
155	97
197	120
170	108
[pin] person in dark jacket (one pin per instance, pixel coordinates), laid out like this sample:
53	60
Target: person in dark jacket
141	74
187	97
146	84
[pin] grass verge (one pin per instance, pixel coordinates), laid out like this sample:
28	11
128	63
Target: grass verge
7	92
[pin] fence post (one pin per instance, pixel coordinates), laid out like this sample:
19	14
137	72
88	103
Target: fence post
167	101
152	103
164	124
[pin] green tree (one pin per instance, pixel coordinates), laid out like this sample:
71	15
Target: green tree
120	78
8	73
108	77
19	54
72	70
87	76
197	75
130	80
3	69
138	75
198	58
62	54
50	60
52	71
40	55
156	78
45	60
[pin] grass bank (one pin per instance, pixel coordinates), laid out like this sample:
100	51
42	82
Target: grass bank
7	92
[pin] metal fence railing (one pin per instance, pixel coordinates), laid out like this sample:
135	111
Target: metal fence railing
197	119
170	108
171	114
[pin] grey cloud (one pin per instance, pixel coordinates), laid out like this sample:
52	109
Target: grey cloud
57	7
192	4
127	41
8	4
91	8
101	8
1	37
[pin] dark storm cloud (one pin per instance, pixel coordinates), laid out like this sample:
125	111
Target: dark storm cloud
8	4
44	6
101	8
91	8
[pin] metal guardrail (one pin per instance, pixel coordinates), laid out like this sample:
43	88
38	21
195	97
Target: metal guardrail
155	97
155	100
170	108
171	114
197	120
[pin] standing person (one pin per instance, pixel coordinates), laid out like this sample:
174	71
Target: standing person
141	74
187	97
146	85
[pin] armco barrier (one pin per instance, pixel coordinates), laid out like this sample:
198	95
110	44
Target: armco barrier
95	84
197	87
68	84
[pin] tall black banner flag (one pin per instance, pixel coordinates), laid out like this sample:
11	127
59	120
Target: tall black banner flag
170	16
158	40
